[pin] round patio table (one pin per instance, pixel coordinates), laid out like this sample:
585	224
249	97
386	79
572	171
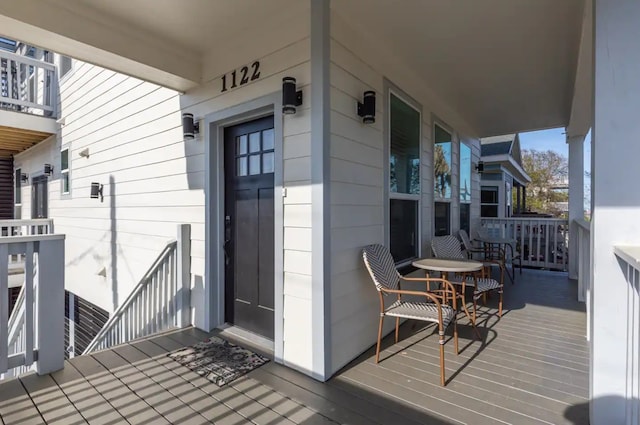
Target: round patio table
452	265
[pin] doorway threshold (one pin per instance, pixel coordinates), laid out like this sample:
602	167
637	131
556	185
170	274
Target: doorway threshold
245	337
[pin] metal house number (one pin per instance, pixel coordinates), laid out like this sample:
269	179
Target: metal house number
240	77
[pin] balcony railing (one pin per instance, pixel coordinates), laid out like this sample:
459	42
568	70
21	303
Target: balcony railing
34	334
541	242
27	85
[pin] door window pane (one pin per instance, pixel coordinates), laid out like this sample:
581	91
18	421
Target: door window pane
254	164
403	229
254	142
405	147
442	219
241	145
267	140
267	162
465	173
442	163
241	167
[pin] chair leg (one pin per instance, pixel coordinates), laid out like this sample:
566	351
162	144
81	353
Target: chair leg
379	337
484	298
475	307
442	358
397	327
455	336
500	303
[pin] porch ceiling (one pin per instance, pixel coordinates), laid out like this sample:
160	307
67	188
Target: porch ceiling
15	140
506	66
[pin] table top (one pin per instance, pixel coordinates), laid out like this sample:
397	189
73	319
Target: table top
496	239
448	265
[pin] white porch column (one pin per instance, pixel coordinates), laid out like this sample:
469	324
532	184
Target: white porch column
616	210
576	198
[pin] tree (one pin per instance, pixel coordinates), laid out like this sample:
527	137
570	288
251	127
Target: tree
548	171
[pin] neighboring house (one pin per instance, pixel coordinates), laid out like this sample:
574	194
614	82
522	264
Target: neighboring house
503	175
280	204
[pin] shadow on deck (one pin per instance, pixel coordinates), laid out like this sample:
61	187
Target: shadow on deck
531	368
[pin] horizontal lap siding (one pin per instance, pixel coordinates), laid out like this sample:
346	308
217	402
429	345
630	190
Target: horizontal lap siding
153	180
358	161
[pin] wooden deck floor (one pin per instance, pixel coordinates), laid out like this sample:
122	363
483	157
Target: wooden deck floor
531	368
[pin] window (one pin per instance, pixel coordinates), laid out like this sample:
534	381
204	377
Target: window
465	217
65	65
442	163
442	220
465	187
17	181
404	176
508	196
489	201
64	171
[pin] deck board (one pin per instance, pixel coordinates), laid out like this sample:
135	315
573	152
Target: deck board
531	367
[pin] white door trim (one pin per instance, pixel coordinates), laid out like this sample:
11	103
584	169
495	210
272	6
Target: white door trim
212	305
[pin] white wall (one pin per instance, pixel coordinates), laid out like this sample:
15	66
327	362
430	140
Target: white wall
153	180
361	62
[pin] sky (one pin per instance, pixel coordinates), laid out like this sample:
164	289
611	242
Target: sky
555	140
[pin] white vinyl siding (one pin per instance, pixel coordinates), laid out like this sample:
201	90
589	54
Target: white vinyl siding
359	190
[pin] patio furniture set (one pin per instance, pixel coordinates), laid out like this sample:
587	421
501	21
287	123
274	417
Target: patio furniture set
461	272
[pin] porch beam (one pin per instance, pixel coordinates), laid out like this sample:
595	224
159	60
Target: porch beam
74	30
614	385
576	198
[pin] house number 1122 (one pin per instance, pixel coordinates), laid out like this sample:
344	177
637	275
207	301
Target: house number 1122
240	77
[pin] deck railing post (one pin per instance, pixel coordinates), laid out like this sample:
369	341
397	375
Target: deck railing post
184	276
50	306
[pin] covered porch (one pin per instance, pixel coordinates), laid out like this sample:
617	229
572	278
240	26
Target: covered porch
531	368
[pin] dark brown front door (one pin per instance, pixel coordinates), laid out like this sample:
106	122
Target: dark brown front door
39	197
249	227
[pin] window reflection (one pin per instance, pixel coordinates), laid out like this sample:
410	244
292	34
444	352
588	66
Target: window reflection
442	163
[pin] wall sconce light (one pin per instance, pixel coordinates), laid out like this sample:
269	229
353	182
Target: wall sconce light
367	109
290	97
48	169
96	191
84	153
24	177
480	166
189	127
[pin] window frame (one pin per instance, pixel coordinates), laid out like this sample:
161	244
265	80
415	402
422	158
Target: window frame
66	172
496	204
66	75
398	93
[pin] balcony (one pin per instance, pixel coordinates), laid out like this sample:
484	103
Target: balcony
28	89
530	368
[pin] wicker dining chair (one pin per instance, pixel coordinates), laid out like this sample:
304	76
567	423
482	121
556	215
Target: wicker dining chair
387	280
449	247
490	257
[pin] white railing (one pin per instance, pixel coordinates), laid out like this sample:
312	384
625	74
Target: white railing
34	335
629	260
40	226
541	242
27	85
10	228
159	302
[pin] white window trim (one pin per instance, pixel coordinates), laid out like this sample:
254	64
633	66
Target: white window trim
66	76
66	171
404	196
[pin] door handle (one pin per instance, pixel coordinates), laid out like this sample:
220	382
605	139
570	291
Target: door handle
227	239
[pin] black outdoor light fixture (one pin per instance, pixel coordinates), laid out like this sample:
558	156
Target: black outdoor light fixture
290	97
24	177
96	191
189	127
367	109
48	169
480	167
